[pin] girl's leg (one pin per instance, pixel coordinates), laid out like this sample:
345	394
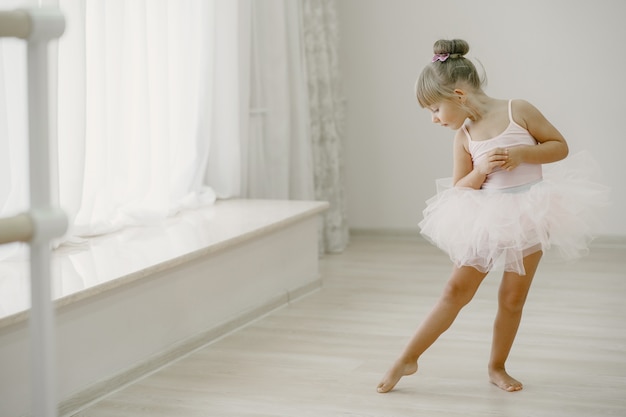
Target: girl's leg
459	290
511	298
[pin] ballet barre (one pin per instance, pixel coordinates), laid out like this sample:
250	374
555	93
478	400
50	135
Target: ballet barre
44	221
18	228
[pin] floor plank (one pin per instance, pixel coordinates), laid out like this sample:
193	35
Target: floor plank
324	354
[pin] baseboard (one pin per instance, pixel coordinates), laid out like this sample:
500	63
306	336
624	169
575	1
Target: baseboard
407	233
102	389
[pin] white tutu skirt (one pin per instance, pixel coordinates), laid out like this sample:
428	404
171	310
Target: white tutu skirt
493	229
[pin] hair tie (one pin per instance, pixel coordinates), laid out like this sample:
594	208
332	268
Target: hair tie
443	57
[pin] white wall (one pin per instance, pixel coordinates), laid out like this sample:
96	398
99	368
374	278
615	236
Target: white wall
564	56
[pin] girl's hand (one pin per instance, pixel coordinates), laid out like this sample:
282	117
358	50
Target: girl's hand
513	159
496	158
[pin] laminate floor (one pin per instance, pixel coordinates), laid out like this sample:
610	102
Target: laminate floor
324	354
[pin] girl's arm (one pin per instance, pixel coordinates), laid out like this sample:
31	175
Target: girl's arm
464	173
552	146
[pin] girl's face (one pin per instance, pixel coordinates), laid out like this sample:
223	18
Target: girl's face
448	114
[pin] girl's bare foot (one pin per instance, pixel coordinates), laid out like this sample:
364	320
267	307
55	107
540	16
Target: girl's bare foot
500	378
393	375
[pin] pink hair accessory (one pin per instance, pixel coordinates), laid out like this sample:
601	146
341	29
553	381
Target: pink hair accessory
440	57
443	57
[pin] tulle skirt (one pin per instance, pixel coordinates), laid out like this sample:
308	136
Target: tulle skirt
496	229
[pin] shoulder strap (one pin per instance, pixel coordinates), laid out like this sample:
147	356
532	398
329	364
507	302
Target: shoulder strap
511	111
469	138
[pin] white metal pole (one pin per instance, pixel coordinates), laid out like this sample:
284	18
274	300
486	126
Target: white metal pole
44	221
47	24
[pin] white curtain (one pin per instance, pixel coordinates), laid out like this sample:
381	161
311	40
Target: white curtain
167	104
229	96
294	146
277	149
135	82
326	107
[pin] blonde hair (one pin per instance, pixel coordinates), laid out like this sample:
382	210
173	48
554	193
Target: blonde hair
438	79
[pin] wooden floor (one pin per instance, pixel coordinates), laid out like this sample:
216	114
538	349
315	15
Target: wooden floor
323	355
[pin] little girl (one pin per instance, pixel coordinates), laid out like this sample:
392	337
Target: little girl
501	210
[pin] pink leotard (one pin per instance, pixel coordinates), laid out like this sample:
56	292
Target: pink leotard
513	135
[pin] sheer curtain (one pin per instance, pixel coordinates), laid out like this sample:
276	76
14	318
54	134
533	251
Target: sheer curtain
135	82
326	107
293	149
277	149
163	105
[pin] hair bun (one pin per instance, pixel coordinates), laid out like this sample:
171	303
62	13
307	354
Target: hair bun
453	46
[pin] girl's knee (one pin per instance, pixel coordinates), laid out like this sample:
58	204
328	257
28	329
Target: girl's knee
462	286
457	294
513	302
